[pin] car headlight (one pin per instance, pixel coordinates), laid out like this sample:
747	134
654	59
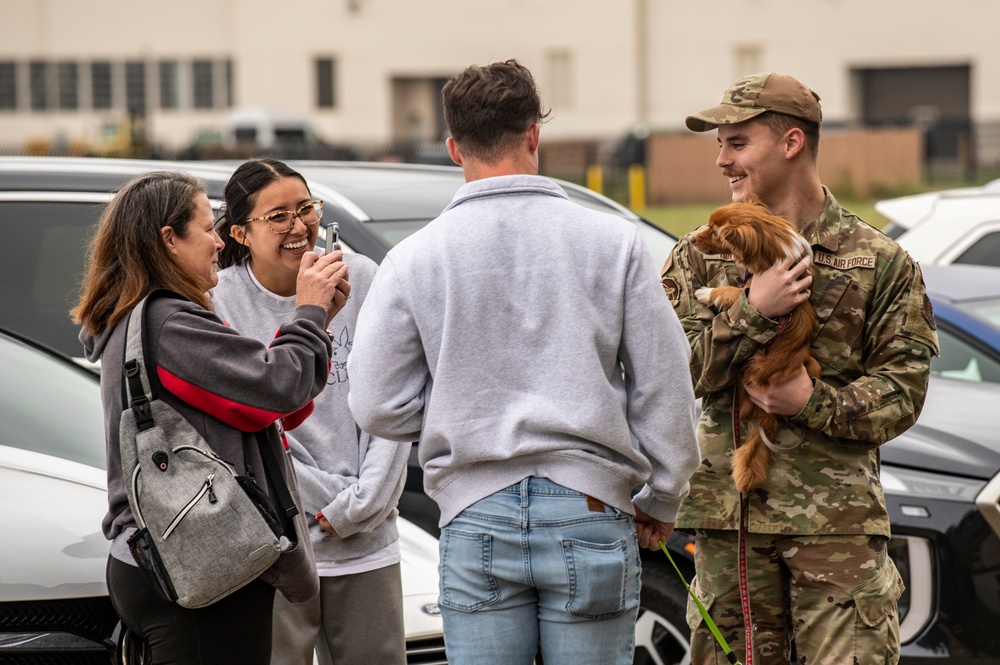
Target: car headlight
924	485
913	555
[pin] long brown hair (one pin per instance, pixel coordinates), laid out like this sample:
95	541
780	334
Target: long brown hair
127	258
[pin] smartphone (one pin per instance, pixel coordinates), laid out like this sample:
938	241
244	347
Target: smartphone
332	237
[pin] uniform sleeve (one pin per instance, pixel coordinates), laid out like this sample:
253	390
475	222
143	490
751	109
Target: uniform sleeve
661	406
899	339
236	379
720	342
387	365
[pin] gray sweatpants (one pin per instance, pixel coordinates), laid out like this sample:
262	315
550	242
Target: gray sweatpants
355	620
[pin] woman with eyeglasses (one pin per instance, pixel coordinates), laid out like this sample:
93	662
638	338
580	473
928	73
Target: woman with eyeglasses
157	233
350	481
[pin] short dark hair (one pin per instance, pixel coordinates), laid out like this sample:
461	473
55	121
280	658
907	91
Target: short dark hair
489	108
241	196
779	123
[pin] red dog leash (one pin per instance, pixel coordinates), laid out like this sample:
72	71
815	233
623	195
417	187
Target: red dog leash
742	552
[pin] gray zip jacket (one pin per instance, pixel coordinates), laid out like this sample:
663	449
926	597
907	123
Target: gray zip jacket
355	482
227	386
498	335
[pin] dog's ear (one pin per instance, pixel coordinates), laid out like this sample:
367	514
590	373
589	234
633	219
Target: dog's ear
754	200
736	229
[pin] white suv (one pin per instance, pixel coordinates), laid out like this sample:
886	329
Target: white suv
951	226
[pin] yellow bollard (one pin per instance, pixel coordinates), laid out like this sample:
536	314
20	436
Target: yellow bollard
637	187
595	178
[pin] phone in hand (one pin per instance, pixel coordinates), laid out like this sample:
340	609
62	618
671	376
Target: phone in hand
332	237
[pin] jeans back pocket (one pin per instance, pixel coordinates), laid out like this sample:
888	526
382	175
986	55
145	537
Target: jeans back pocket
467	584
598	579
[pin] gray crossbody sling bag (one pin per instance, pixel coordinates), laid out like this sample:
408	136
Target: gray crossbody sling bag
204	531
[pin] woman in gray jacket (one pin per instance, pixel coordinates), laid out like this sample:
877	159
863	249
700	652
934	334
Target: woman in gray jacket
350	480
158	233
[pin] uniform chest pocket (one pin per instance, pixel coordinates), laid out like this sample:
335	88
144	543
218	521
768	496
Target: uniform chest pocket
840	315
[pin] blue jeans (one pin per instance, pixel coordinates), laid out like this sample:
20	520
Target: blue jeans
539	566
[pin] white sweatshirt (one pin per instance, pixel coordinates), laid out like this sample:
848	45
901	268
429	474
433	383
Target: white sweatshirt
354	483
498	335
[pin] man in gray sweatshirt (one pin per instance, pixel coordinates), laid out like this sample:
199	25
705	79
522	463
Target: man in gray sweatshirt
525	341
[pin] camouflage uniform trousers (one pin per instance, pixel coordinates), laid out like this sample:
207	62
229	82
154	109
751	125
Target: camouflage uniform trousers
834	595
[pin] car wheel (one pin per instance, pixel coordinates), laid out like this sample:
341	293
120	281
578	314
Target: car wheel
661	631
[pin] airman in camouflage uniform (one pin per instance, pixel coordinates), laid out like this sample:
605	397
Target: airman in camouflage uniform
817	529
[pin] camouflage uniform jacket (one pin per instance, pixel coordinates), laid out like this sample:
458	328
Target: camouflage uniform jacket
874	340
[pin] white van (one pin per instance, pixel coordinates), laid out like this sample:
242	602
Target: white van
267	129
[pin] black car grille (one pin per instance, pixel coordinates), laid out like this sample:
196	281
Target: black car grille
103	657
425	652
92	619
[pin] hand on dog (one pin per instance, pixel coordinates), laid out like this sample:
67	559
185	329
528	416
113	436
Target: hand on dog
651	531
782	287
785	399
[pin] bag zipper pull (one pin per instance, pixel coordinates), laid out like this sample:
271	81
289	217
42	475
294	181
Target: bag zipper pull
211	494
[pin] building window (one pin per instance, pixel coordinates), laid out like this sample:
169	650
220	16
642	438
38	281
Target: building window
100	81
169	85
227	83
326	97
560	79
135	87
8	86
68	80
38	84
203	84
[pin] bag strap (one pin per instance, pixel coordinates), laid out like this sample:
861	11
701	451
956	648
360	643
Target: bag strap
273	471
136	392
140	381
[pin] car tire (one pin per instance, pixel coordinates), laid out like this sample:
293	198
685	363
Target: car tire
661	631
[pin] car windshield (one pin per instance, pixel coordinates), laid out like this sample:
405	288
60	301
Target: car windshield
49	406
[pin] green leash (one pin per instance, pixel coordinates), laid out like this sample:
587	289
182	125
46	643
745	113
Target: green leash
730	656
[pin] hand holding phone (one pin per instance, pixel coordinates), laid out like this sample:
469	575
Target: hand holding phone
332	237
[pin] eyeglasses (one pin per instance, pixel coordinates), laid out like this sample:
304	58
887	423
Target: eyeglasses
282	221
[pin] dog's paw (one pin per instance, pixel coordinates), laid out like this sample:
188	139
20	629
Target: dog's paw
704	295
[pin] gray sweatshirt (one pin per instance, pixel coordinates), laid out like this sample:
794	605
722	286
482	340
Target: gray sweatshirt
354	483
498	335
228	387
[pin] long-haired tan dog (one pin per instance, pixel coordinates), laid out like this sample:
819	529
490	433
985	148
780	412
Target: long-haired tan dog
757	240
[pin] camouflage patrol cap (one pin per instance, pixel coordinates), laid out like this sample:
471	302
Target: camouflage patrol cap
752	95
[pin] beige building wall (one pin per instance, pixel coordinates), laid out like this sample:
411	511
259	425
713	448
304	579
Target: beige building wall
604	67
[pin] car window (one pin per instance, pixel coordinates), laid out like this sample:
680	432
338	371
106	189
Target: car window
987	309
49	406
41	264
396	231
961	360
984	252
